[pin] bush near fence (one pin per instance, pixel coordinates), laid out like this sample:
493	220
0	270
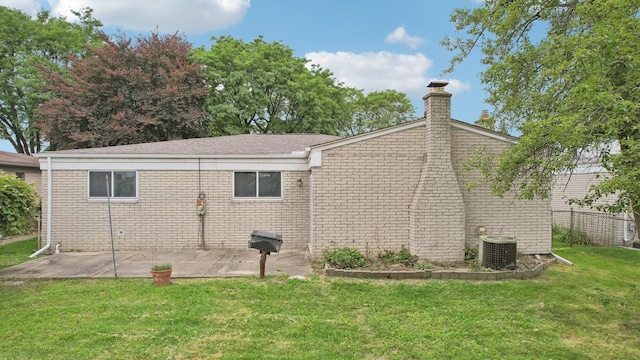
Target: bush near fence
603	229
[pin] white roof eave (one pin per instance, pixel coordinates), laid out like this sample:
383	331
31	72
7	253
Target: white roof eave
45	155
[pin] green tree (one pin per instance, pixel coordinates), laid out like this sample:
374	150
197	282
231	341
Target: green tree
376	110
125	93
564	74
24	40
489	122
18	205
262	87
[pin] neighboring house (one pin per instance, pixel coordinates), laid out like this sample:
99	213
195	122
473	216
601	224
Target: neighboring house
399	186
23	166
576	185
603	228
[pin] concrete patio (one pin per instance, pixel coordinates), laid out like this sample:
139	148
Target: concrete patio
137	264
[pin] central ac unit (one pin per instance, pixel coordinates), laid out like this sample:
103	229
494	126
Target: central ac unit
498	252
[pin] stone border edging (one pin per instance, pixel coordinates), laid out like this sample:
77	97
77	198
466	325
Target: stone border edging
379	274
441	274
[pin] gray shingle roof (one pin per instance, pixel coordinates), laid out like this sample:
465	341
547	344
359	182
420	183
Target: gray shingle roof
14	159
248	144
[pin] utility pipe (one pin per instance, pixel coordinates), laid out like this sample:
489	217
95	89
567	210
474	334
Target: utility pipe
560	258
49	182
625	231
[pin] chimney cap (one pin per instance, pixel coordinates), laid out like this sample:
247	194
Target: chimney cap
438	84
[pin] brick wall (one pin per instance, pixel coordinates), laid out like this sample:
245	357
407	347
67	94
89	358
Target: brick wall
362	192
164	216
529	221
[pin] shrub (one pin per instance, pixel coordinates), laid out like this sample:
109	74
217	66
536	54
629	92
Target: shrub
424	265
403	257
470	253
345	258
563	234
18	205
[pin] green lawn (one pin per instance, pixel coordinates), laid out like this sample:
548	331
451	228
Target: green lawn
17	252
588	311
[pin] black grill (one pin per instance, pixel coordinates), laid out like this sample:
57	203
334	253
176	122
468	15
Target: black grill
265	241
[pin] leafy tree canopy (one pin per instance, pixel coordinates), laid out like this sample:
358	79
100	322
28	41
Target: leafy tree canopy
564	74
262	87
24	40
125	93
376	110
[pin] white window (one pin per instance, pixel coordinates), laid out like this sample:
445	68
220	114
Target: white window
120	184
260	184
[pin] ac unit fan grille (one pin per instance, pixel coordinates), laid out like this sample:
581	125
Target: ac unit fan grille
499	255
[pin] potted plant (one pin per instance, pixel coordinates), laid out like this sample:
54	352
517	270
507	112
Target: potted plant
161	274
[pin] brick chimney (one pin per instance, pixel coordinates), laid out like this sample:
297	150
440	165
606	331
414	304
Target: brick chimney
437	213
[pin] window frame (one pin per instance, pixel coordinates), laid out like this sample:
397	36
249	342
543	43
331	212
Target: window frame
257	189
112	178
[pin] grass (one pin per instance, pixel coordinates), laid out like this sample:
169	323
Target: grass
587	311
17	252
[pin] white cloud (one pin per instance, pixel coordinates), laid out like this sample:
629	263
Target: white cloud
189	16
29	7
400	35
382	71
456	86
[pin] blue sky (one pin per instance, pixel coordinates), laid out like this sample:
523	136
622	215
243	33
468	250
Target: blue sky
367	44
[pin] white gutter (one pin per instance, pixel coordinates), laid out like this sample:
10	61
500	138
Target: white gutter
49	182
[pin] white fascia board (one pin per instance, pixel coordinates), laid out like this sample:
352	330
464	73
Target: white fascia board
475	129
315	158
54	155
254	164
315	153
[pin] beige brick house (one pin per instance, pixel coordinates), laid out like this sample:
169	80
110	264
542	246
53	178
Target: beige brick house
402	185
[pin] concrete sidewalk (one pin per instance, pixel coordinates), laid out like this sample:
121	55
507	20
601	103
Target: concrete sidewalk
137	264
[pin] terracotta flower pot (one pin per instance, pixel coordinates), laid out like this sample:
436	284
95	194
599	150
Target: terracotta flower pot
161	278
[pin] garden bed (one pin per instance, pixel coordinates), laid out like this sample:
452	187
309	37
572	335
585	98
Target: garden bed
527	267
